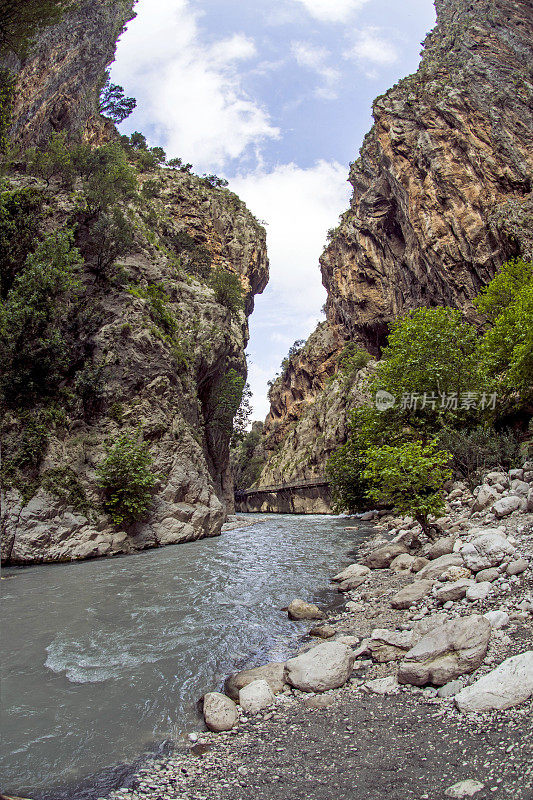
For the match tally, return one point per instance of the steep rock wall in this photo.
(58, 83)
(441, 198)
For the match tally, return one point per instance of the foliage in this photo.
(505, 288)
(89, 384)
(228, 290)
(111, 236)
(146, 158)
(62, 482)
(506, 350)
(7, 84)
(23, 448)
(195, 258)
(247, 460)
(167, 327)
(242, 416)
(113, 102)
(126, 479)
(296, 348)
(56, 160)
(20, 217)
(215, 181)
(474, 451)
(409, 477)
(177, 163)
(226, 400)
(34, 350)
(21, 21)
(109, 178)
(345, 469)
(352, 359)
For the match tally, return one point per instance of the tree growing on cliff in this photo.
(113, 102)
(126, 479)
(228, 290)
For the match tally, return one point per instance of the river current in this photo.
(102, 661)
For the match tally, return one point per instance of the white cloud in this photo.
(332, 10)
(371, 46)
(299, 204)
(189, 94)
(315, 58)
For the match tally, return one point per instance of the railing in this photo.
(309, 484)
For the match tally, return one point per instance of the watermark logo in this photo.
(384, 400)
(453, 401)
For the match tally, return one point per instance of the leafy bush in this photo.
(352, 359)
(505, 288)
(34, 350)
(109, 178)
(126, 480)
(56, 160)
(228, 290)
(113, 102)
(409, 477)
(111, 236)
(7, 85)
(20, 217)
(475, 451)
(345, 468)
(225, 401)
(194, 257)
(62, 482)
(90, 384)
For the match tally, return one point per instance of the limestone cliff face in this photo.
(164, 388)
(441, 198)
(58, 83)
(442, 187)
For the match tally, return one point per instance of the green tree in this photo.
(228, 290)
(410, 477)
(55, 160)
(126, 479)
(20, 217)
(111, 236)
(114, 103)
(505, 288)
(34, 347)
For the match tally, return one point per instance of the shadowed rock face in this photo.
(442, 187)
(442, 197)
(59, 81)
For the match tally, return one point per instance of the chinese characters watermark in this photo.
(452, 401)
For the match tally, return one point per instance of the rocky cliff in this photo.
(152, 341)
(58, 83)
(441, 198)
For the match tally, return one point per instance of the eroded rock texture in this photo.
(58, 83)
(442, 197)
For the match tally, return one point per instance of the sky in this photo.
(275, 96)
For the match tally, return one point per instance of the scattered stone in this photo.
(486, 497)
(383, 556)
(220, 712)
(490, 575)
(455, 648)
(402, 563)
(497, 477)
(388, 685)
(457, 574)
(256, 696)
(450, 689)
(478, 591)
(439, 565)
(497, 618)
(464, 789)
(299, 609)
(411, 594)
(453, 591)
(320, 701)
(327, 666)
(353, 571)
(323, 631)
(506, 506)
(385, 645)
(441, 547)
(504, 687)
(419, 563)
(273, 673)
(487, 550)
(517, 567)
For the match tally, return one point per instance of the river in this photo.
(103, 661)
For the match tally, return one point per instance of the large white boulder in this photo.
(256, 696)
(439, 565)
(327, 666)
(453, 591)
(352, 571)
(446, 652)
(220, 712)
(411, 594)
(487, 550)
(486, 497)
(273, 673)
(508, 685)
(506, 506)
(382, 557)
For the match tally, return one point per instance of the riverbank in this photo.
(374, 737)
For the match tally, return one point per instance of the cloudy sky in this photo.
(274, 95)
